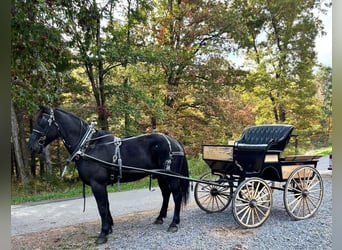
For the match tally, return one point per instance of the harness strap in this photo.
(84, 197)
(82, 146)
(168, 162)
(117, 158)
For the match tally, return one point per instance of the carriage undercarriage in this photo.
(251, 197)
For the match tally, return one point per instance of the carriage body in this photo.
(271, 165)
(255, 165)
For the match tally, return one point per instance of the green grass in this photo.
(321, 151)
(38, 190)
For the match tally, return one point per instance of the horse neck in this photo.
(71, 129)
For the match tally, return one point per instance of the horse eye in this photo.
(43, 122)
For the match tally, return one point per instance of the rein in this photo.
(163, 172)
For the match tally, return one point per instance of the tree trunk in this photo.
(17, 147)
(127, 115)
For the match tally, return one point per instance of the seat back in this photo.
(276, 136)
(255, 141)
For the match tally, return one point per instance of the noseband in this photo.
(43, 134)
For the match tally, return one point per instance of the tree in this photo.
(279, 37)
(190, 37)
(101, 43)
(39, 57)
(324, 84)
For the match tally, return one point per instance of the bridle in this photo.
(51, 120)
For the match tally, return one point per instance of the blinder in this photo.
(50, 120)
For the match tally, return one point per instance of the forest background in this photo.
(200, 71)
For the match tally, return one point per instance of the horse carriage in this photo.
(241, 172)
(247, 171)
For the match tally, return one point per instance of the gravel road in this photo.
(197, 230)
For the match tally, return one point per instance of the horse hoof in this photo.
(110, 231)
(158, 221)
(172, 229)
(101, 240)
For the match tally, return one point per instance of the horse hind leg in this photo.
(110, 220)
(166, 197)
(177, 198)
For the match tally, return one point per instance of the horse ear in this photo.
(43, 108)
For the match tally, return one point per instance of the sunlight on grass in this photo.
(321, 151)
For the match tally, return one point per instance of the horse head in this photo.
(44, 131)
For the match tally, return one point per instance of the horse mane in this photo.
(71, 114)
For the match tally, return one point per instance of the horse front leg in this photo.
(101, 197)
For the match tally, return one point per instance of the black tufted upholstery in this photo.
(265, 137)
(255, 141)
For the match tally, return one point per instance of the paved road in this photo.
(36, 217)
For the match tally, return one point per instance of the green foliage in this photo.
(39, 56)
(165, 66)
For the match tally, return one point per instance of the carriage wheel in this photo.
(252, 202)
(212, 198)
(303, 192)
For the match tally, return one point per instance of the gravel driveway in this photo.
(197, 230)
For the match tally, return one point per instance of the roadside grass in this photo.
(38, 190)
(322, 151)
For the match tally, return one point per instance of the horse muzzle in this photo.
(35, 146)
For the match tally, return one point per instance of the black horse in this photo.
(101, 158)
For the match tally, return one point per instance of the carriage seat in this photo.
(250, 149)
(265, 137)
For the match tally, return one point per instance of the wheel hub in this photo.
(305, 193)
(253, 203)
(214, 192)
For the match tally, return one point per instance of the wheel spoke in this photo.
(246, 212)
(207, 199)
(248, 193)
(295, 200)
(262, 212)
(257, 214)
(314, 204)
(221, 199)
(242, 209)
(294, 189)
(312, 184)
(297, 184)
(259, 205)
(307, 205)
(218, 202)
(256, 193)
(262, 197)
